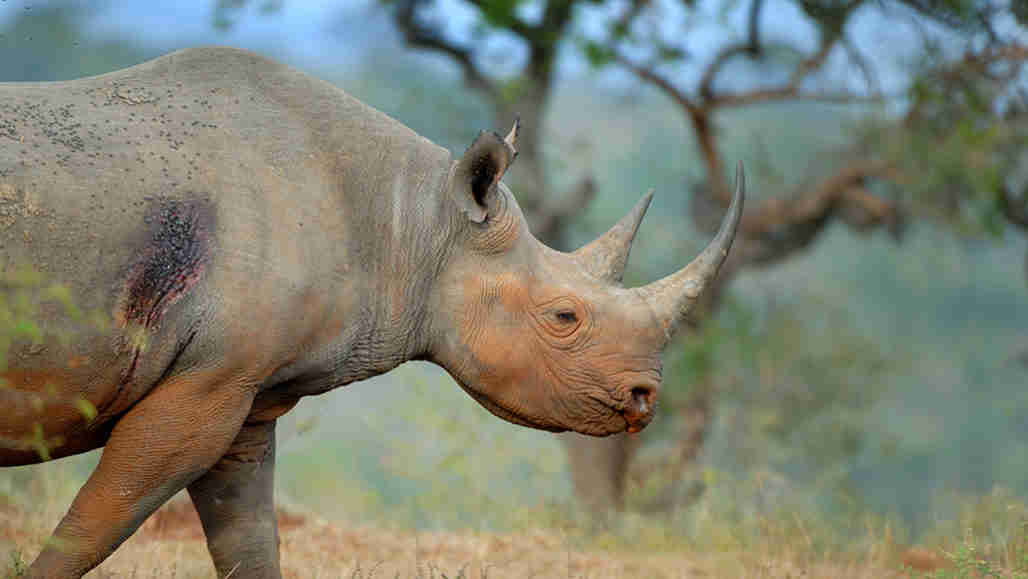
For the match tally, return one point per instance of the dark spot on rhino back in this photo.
(173, 259)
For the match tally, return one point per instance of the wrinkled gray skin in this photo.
(252, 235)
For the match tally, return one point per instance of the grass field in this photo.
(718, 536)
(170, 544)
(722, 535)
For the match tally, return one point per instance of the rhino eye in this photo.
(567, 316)
(561, 317)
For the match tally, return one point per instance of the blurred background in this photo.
(864, 356)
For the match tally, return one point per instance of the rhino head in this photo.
(547, 339)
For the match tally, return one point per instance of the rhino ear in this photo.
(480, 170)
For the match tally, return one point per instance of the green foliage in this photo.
(981, 536)
(1020, 12)
(499, 13)
(967, 564)
(23, 292)
(16, 566)
(955, 148)
(962, 13)
(597, 54)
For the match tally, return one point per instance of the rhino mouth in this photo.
(505, 413)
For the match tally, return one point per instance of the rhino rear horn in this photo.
(481, 168)
(512, 136)
(606, 256)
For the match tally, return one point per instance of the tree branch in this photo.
(753, 27)
(791, 94)
(699, 113)
(417, 34)
(751, 47)
(814, 202)
(1014, 209)
(1013, 51)
(652, 77)
(778, 227)
(556, 14)
(788, 91)
(633, 10)
(720, 60)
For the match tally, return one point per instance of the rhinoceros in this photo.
(253, 235)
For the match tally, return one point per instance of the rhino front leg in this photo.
(169, 439)
(235, 501)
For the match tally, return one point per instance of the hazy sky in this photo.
(329, 35)
(321, 32)
(301, 30)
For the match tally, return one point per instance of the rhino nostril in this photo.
(642, 398)
(639, 410)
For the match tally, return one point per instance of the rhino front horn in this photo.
(606, 256)
(512, 137)
(672, 297)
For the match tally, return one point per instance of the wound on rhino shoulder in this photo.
(173, 259)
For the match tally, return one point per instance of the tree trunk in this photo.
(598, 468)
(527, 176)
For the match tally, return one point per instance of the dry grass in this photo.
(170, 544)
(987, 538)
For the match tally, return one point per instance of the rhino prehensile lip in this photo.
(509, 415)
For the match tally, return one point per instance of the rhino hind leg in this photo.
(235, 501)
(165, 442)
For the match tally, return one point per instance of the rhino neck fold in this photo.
(387, 230)
(412, 226)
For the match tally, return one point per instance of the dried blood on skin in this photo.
(174, 258)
